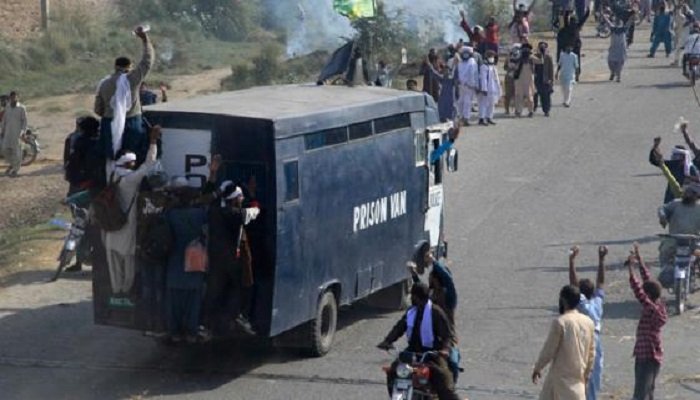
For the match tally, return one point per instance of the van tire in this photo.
(322, 328)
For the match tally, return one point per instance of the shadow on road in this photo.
(620, 242)
(628, 309)
(62, 341)
(654, 66)
(52, 169)
(664, 86)
(579, 268)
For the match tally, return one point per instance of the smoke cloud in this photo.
(313, 24)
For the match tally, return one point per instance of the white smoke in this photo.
(313, 24)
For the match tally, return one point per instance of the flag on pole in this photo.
(355, 8)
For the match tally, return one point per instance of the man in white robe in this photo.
(120, 245)
(468, 76)
(12, 127)
(490, 89)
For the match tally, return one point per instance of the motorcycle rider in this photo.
(427, 329)
(691, 46)
(682, 217)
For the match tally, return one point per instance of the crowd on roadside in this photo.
(465, 77)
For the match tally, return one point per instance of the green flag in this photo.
(355, 8)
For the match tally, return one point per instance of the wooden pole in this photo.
(45, 15)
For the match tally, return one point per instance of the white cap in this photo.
(125, 159)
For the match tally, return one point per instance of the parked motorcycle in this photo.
(73, 244)
(30, 147)
(686, 266)
(412, 376)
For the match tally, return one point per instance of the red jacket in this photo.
(474, 37)
(492, 34)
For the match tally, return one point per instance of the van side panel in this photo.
(360, 217)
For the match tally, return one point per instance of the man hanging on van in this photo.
(120, 244)
(118, 104)
(229, 255)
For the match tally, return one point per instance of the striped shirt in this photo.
(648, 343)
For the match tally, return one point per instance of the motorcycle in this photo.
(412, 376)
(693, 69)
(603, 28)
(30, 147)
(73, 244)
(686, 265)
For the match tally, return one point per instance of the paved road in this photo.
(528, 189)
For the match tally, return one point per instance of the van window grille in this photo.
(361, 130)
(325, 138)
(392, 123)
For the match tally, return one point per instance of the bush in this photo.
(224, 19)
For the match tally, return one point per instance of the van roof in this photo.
(289, 106)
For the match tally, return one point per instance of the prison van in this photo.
(346, 186)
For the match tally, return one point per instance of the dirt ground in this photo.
(34, 197)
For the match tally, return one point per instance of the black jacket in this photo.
(441, 331)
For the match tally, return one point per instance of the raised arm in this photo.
(688, 140)
(138, 74)
(465, 25)
(151, 156)
(655, 154)
(634, 282)
(600, 278)
(643, 270)
(573, 278)
(585, 17)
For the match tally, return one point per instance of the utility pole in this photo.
(45, 15)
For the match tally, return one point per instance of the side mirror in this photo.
(452, 160)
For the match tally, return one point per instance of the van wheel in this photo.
(324, 325)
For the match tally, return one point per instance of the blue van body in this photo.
(341, 178)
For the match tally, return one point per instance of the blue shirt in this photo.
(593, 308)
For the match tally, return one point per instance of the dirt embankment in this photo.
(22, 18)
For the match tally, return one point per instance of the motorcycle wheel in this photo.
(692, 77)
(64, 259)
(604, 33)
(29, 154)
(679, 291)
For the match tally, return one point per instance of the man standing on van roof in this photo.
(117, 103)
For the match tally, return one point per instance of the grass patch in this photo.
(20, 247)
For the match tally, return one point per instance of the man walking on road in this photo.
(591, 305)
(544, 78)
(648, 351)
(13, 126)
(661, 32)
(566, 72)
(570, 348)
